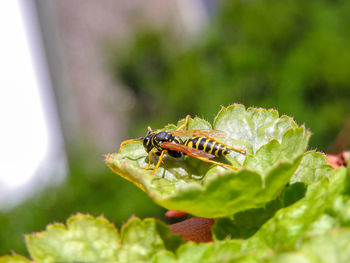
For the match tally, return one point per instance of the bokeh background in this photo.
(115, 67)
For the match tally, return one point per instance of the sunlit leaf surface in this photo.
(274, 147)
(88, 239)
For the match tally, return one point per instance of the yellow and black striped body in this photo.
(208, 145)
(155, 140)
(200, 144)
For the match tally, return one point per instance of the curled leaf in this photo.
(273, 147)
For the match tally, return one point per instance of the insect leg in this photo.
(185, 124)
(236, 150)
(149, 159)
(233, 148)
(217, 163)
(159, 161)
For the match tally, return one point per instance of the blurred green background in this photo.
(290, 55)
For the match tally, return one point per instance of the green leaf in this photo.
(334, 246)
(274, 145)
(14, 259)
(219, 251)
(293, 193)
(244, 224)
(321, 219)
(313, 167)
(307, 231)
(268, 138)
(324, 207)
(85, 239)
(88, 239)
(141, 239)
(308, 215)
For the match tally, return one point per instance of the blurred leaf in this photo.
(84, 239)
(219, 251)
(141, 239)
(319, 220)
(14, 259)
(88, 239)
(293, 234)
(313, 167)
(291, 223)
(244, 224)
(334, 246)
(293, 193)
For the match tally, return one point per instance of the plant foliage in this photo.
(274, 146)
(313, 229)
(283, 204)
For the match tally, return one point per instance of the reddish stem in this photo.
(337, 160)
(174, 213)
(195, 229)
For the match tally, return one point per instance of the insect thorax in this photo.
(160, 137)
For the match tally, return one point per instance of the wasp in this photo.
(201, 144)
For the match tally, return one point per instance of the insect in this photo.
(201, 144)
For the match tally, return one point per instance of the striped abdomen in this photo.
(208, 145)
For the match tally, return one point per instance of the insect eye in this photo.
(147, 143)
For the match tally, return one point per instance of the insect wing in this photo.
(200, 132)
(187, 150)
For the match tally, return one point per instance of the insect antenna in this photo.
(122, 145)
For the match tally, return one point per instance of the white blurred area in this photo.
(31, 146)
(32, 153)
